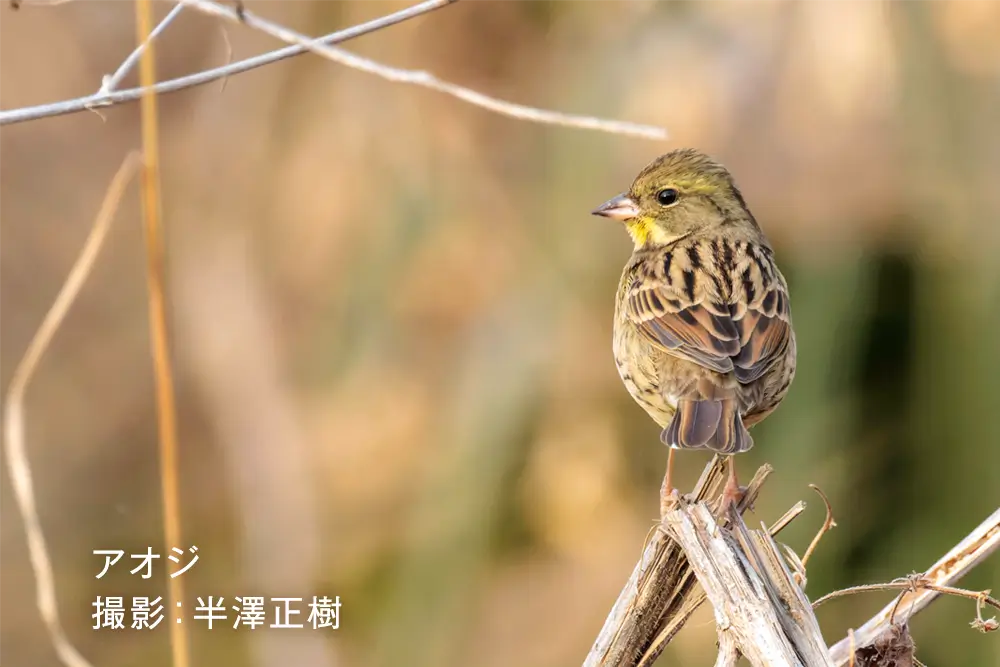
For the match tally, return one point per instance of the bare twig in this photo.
(111, 82)
(301, 44)
(17, 460)
(426, 79)
(968, 553)
(91, 102)
(166, 411)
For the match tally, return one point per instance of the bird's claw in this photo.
(733, 497)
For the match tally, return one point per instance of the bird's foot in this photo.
(669, 495)
(732, 497)
(733, 494)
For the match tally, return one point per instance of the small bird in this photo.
(703, 337)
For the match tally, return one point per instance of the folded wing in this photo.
(690, 314)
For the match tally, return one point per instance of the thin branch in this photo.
(18, 466)
(426, 79)
(166, 411)
(301, 44)
(96, 101)
(968, 553)
(112, 82)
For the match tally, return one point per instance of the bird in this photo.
(703, 337)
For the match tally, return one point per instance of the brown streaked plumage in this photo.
(703, 334)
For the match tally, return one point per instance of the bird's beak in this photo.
(621, 207)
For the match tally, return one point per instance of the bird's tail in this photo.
(708, 423)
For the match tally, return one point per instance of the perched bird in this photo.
(703, 334)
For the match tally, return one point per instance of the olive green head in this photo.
(676, 195)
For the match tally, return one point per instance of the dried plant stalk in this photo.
(757, 603)
(166, 410)
(660, 595)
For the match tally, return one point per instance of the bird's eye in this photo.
(667, 196)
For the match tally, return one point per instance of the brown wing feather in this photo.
(690, 314)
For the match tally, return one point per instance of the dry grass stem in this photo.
(828, 523)
(166, 410)
(17, 461)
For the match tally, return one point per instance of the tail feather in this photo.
(713, 424)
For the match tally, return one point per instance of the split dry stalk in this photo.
(759, 607)
(661, 594)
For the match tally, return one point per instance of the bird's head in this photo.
(676, 195)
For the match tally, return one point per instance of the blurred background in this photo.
(392, 317)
